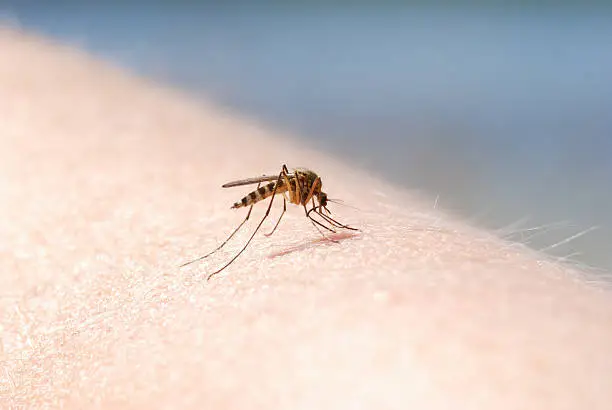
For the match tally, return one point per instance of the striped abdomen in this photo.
(262, 193)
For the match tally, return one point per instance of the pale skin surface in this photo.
(108, 183)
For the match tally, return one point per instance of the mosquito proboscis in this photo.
(301, 187)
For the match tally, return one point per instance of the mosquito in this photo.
(300, 187)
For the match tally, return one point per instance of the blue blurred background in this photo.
(503, 113)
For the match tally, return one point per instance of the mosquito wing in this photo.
(249, 181)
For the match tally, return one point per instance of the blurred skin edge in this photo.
(468, 271)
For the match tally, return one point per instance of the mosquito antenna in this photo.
(342, 203)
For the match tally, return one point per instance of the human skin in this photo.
(108, 183)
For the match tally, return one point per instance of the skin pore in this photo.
(108, 183)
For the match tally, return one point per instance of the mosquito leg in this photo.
(256, 229)
(312, 191)
(298, 190)
(317, 210)
(330, 220)
(314, 208)
(225, 241)
(315, 223)
(333, 222)
(279, 219)
(288, 182)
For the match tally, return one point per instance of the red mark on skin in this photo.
(316, 242)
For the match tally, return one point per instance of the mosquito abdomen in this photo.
(260, 194)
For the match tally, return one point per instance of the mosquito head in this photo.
(323, 201)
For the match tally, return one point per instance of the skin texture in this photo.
(108, 183)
